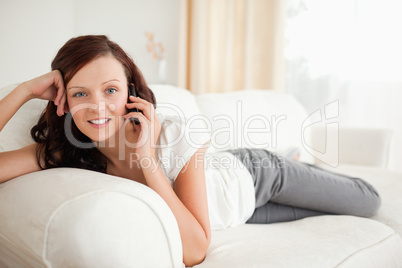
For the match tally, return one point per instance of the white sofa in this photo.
(76, 218)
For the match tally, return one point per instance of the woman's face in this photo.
(97, 95)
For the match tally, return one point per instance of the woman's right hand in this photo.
(50, 87)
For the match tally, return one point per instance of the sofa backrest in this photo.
(247, 118)
(16, 133)
(259, 118)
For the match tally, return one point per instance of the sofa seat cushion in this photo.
(324, 241)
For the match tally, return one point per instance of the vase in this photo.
(162, 71)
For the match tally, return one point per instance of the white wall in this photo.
(31, 32)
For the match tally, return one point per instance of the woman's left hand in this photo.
(148, 129)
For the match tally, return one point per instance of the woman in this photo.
(89, 123)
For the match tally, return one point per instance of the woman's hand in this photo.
(148, 129)
(50, 87)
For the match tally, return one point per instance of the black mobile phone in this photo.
(131, 91)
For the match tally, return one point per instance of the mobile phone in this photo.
(131, 91)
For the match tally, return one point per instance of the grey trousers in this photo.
(287, 190)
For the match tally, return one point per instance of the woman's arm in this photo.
(190, 188)
(188, 202)
(49, 86)
(18, 162)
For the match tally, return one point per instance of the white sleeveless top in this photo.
(230, 187)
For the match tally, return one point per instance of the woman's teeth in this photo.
(99, 122)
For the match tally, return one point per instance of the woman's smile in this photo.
(99, 122)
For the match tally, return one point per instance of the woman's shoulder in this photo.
(177, 143)
(171, 120)
(177, 130)
(168, 120)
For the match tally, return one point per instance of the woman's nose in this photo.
(102, 106)
(98, 104)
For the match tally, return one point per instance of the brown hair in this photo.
(50, 132)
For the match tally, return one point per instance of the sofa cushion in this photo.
(324, 241)
(174, 101)
(16, 133)
(256, 118)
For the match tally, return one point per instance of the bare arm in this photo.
(188, 202)
(18, 162)
(188, 199)
(49, 86)
(190, 188)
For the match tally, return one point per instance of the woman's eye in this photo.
(79, 94)
(111, 90)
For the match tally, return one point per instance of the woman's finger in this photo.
(62, 108)
(59, 84)
(146, 107)
(59, 95)
(143, 125)
(141, 101)
(141, 107)
(133, 115)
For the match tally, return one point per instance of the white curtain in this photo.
(351, 51)
(232, 44)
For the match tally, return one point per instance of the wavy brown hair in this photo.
(55, 149)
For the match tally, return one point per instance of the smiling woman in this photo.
(87, 126)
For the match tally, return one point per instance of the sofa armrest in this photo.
(355, 146)
(68, 217)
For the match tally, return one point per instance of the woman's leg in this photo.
(295, 184)
(273, 212)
